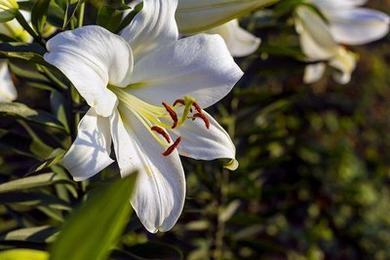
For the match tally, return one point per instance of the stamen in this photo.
(172, 114)
(204, 118)
(197, 107)
(162, 132)
(179, 101)
(172, 147)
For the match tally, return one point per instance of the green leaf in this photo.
(97, 224)
(18, 254)
(41, 180)
(6, 15)
(60, 107)
(109, 18)
(22, 111)
(53, 159)
(33, 234)
(38, 14)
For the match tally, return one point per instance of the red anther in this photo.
(172, 114)
(172, 147)
(197, 107)
(162, 132)
(204, 118)
(179, 101)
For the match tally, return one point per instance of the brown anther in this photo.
(172, 147)
(172, 114)
(197, 107)
(179, 101)
(161, 132)
(204, 118)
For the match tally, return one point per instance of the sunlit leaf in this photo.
(22, 111)
(95, 227)
(19, 254)
(33, 234)
(40, 180)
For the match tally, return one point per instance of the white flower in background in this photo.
(345, 24)
(13, 29)
(147, 91)
(7, 88)
(240, 43)
(219, 17)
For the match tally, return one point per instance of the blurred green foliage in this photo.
(313, 181)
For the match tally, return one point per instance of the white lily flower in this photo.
(7, 89)
(12, 28)
(240, 42)
(318, 45)
(353, 25)
(147, 90)
(346, 24)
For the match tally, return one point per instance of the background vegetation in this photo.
(314, 173)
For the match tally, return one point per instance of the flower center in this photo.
(159, 120)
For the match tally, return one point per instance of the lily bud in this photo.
(200, 15)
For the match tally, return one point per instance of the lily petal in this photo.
(338, 4)
(7, 88)
(92, 57)
(358, 26)
(316, 40)
(90, 152)
(314, 72)
(199, 66)
(239, 42)
(202, 143)
(160, 191)
(152, 27)
(201, 15)
(345, 63)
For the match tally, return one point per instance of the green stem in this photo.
(81, 14)
(19, 17)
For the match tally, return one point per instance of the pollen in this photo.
(161, 132)
(171, 148)
(172, 114)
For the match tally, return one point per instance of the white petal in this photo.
(90, 152)
(345, 63)
(316, 41)
(314, 72)
(338, 4)
(201, 15)
(92, 57)
(152, 27)
(199, 66)
(239, 42)
(7, 88)
(160, 191)
(358, 26)
(201, 143)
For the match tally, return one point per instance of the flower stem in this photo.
(81, 14)
(22, 21)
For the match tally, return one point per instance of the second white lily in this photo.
(147, 91)
(346, 23)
